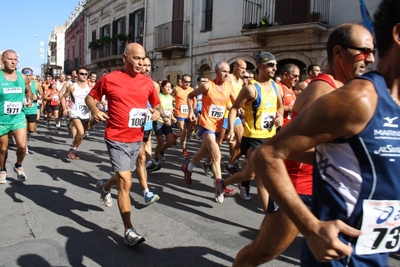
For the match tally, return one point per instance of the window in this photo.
(136, 26)
(291, 12)
(207, 15)
(118, 28)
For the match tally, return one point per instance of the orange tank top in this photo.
(288, 99)
(181, 104)
(214, 106)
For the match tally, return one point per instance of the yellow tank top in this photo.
(259, 120)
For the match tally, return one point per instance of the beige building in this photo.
(191, 36)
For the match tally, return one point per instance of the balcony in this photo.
(172, 37)
(264, 18)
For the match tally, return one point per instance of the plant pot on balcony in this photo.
(314, 16)
(105, 40)
(121, 37)
(93, 45)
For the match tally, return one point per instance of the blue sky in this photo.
(22, 19)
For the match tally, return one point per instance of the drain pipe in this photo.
(191, 39)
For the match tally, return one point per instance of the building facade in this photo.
(188, 36)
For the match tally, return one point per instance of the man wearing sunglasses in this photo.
(290, 77)
(262, 104)
(343, 65)
(78, 112)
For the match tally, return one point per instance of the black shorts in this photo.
(31, 118)
(146, 136)
(273, 206)
(160, 128)
(50, 108)
(248, 142)
(84, 121)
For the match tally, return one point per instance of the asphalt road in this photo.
(57, 219)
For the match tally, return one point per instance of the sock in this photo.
(222, 183)
(16, 165)
(230, 166)
(145, 191)
(190, 167)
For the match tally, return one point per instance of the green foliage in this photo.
(93, 45)
(121, 37)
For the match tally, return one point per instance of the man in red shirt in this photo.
(127, 92)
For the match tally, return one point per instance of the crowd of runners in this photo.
(242, 109)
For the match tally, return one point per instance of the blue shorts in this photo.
(204, 130)
(182, 119)
(225, 125)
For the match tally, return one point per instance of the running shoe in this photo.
(185, 154)
(219, 191)
(207, 169)
(21, 176)
(187, 174)
(11, 141)
(3, 177)
(105, 196)
(48, 125)
(153, 167)
(72, 154)
(150, 198)
(230, 170)
(229, 192)
(27, 150)
(132, 238)
(244, 191)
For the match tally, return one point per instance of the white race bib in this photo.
(12, 107)
(380, 227)
(184, 109)
(217, 112)
(267, 121)
(137, 117)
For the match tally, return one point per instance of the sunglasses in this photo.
(271, 64)
(364, 51)
(82, 73)
(187, 81)
(246, 77)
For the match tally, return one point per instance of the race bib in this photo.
(83, 109)
(12, 107)
(217, 112)
(137, 117)
(267, 121)
(184, 109)
(380, 227)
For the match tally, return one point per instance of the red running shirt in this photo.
(301, 173)
(127, 104)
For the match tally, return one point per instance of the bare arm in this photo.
(191, 99)
(98, 115)
(302, 134)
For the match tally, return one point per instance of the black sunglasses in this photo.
(82, 73)
(363, 50)
(271, 64)
(246, 77)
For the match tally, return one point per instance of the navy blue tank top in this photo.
(349, 171)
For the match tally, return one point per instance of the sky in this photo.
(22, 19)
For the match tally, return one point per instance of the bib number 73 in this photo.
(380, 227)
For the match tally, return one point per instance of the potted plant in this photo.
(93, 45)
(106, 39)
(121, 37)
(264, 22)
(314, 16)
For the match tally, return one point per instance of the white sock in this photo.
(145, 191)
(190, 167)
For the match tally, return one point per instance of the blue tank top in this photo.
(349, 172)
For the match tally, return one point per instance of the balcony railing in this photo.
(282, 13)
(173, 34)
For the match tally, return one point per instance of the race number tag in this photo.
(184, 109)
(83, 109)
(217, 112)
(137, 117)
(12, 107)
(267, 121)
(380, 227)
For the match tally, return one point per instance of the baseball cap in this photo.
(265, 57)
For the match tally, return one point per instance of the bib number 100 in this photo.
(137, 118)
